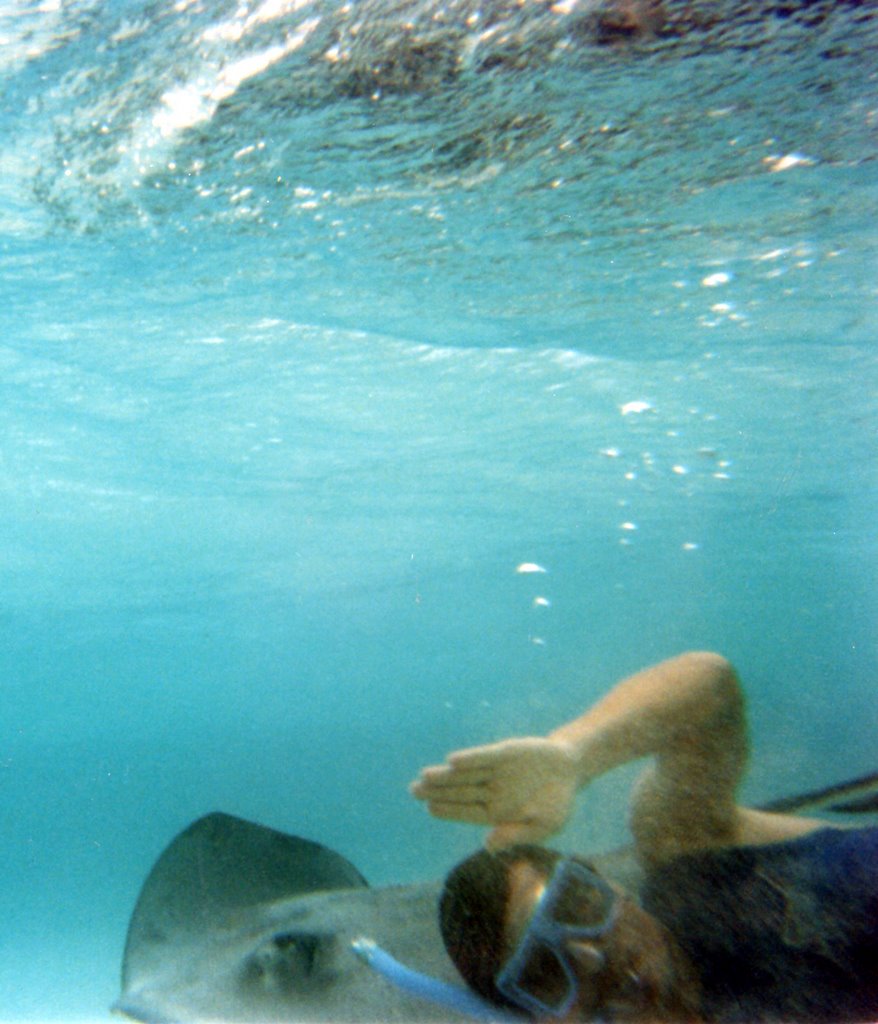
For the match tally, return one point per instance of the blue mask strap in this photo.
(431, 989)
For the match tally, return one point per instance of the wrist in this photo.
(582, 754)
(570, 755)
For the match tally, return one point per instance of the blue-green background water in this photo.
(317, 321)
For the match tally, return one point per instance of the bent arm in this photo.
(687, 712)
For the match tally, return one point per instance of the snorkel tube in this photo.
(431, 989)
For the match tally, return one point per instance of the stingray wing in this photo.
(218, 866)
(238, 922)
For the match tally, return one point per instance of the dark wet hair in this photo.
(472, 913)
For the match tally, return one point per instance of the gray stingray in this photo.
(238, 922)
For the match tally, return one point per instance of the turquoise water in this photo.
(319, 320)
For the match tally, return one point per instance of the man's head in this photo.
(531, 929)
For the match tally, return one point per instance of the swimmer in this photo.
(743, 915)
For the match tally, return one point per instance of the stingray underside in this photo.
(238, 922)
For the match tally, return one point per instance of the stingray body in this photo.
(238, 922)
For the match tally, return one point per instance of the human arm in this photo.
(688, 712)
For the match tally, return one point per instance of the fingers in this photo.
(470, 814)
(521, 786)
(474, 766)
(480, 758)
(452, 775)
(472, 803)
(462, 795)
(457, 795)
(449, 781)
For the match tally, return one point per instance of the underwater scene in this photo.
(381, 378)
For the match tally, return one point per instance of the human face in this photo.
(582, 950)
(564, 915)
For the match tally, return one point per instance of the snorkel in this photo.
(432, 989)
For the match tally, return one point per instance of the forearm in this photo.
(664, 709)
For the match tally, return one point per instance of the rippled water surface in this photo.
(318, 320)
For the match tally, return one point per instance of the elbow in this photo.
(715, 678)
(718, 680)
(710, 663)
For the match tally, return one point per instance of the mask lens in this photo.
(543, 977)
(580, 901)
(576, 904)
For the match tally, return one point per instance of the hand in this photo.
(525, 788)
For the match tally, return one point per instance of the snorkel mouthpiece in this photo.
(422, 986)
